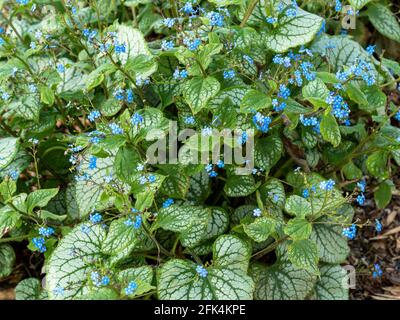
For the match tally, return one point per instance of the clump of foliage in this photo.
(83, 83)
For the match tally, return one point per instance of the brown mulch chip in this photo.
(371, 247)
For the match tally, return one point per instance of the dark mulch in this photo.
(371, 247)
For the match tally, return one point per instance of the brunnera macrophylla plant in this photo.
(84, 83)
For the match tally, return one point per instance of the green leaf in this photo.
(339, 50)
(144, 200)
(143, 277)
(7, 188)
(298, 228)
(298, 206)
(110, 107)
(383, 195)
(123, 238)
(8, 150)
(255, 100)
(82, 196)
(198, 91)
(316, 92)
(30, 289)
(327, 77)
(177, 218)
(377, 164)
(273, 192)
(126, 161)
(134, 40)
(375, 97)
(141, 66)
(40, 198)
(7, 260)
(28, 108)
(355, 94)
(332, 245)
(240, 186)
(100, 294)
(8, 219)
(332, 284)
(330, 129)
(351, 171)
(226, 279)
(281, 281)
(261, 228)
(267, 152)
(73, 259)
(384, 21)
(176, 185)
(292, 31)
(358, 4)
(304, 254)
(46, 95)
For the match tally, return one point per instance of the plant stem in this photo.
(13, 238)
(248, 13)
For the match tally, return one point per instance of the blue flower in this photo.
(152, 178)
(216, 19)
(213, 174)
(229, 74)
(350, 232)
(284, 92)
(14, 175)
(93, 115)
(39, 243)
(167, 45)
(95, 217)
(327, 185)
(192, 44)
(257, 212)
(58, 291)
(136, 119)
(220, 164)
(105, 281)
(360, 199)
(378, 225)
(248, 59)
(377, 273)
(188, 8)
(308, 122)
(306, 193)
(189, 120)
(271, 20)
(370, 49)
(60, 68)
(243, 138)
(261, 122)
(397, 116)
(115, 129)
(362, 185)
(167, 203)
(92, 163)
(169, 22)
(338, 5)
(142, 180)
(129, 93)
(85, 229)
(201, 271)
(46, 232)
(138, 222)
(119, 47)
(131, 288)
(206, 131)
